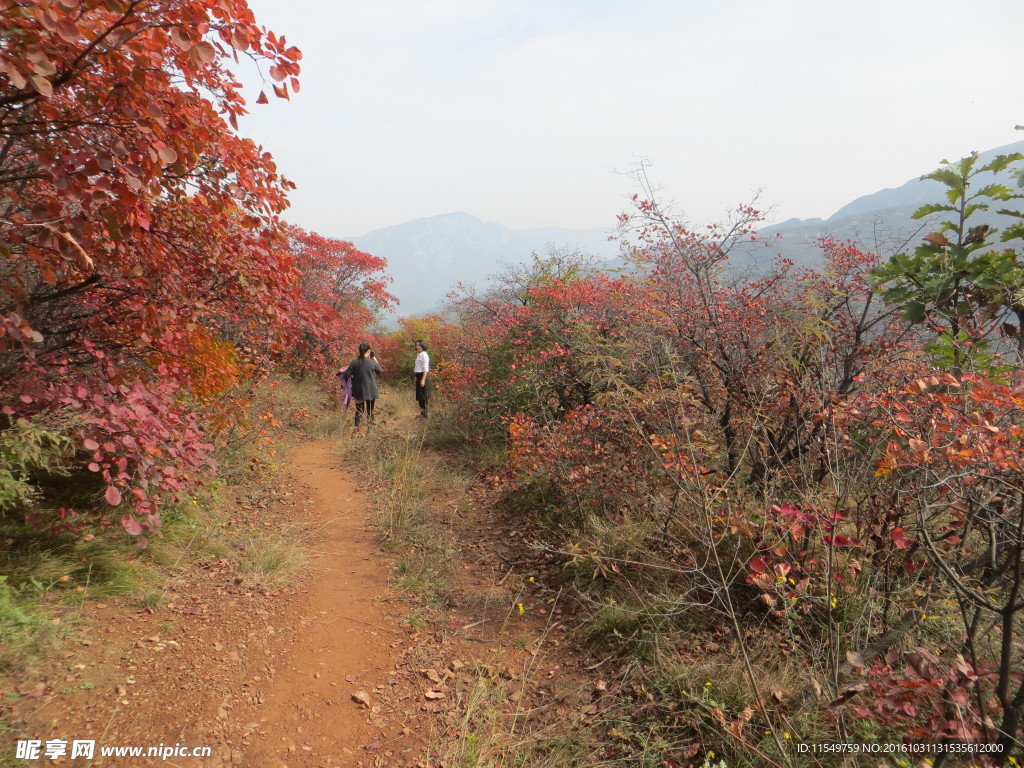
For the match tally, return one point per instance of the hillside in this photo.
(882, 220)
(428, 257)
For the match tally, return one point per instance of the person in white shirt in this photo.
(422, 376)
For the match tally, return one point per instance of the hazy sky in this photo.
(530, 112)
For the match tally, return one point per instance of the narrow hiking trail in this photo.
(266, 680)
(323, 700)
(330, 670)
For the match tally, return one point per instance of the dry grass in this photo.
(494, 730)
(272, 561)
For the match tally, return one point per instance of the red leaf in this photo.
(206, 52)
(167, 155)
(113, 496)
(759, 565)
(42, 85)
(130, 524)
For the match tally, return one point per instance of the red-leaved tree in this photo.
(340, 292)
(143, 268)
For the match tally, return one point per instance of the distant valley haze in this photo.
(428, 257)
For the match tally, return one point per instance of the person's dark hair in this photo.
(364, 348)
(422, 343)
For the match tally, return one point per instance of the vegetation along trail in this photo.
(286, 677)
(711, 505)
(330, 607)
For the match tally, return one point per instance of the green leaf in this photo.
(1012, 232)
(938, 284)
(987, 282)
(996, 192)
(928, 210)
(973, 208)
(928, 250)
(950, 178)
(914, 311)
(1002, 162)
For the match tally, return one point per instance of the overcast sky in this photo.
(531, 112)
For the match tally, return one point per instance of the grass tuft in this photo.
(269, 562)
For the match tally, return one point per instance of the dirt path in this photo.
(344, 645)
(265, 679)
(327, 672)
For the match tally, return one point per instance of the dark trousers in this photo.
(364, 406)
(422, 383)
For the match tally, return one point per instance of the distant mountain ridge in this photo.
(882, 220)
(428, 257)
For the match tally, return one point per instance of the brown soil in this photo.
(324, 674)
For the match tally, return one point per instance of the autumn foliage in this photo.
(780, 452)
(146, 277)
(341, 290)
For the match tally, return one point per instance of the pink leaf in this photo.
(130, 524)
(113, 496)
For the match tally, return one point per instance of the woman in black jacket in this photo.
(363, 372)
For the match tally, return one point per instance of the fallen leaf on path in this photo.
(433, 694)
(361, 697)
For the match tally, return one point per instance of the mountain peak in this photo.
(915, 192)
(427, 257)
